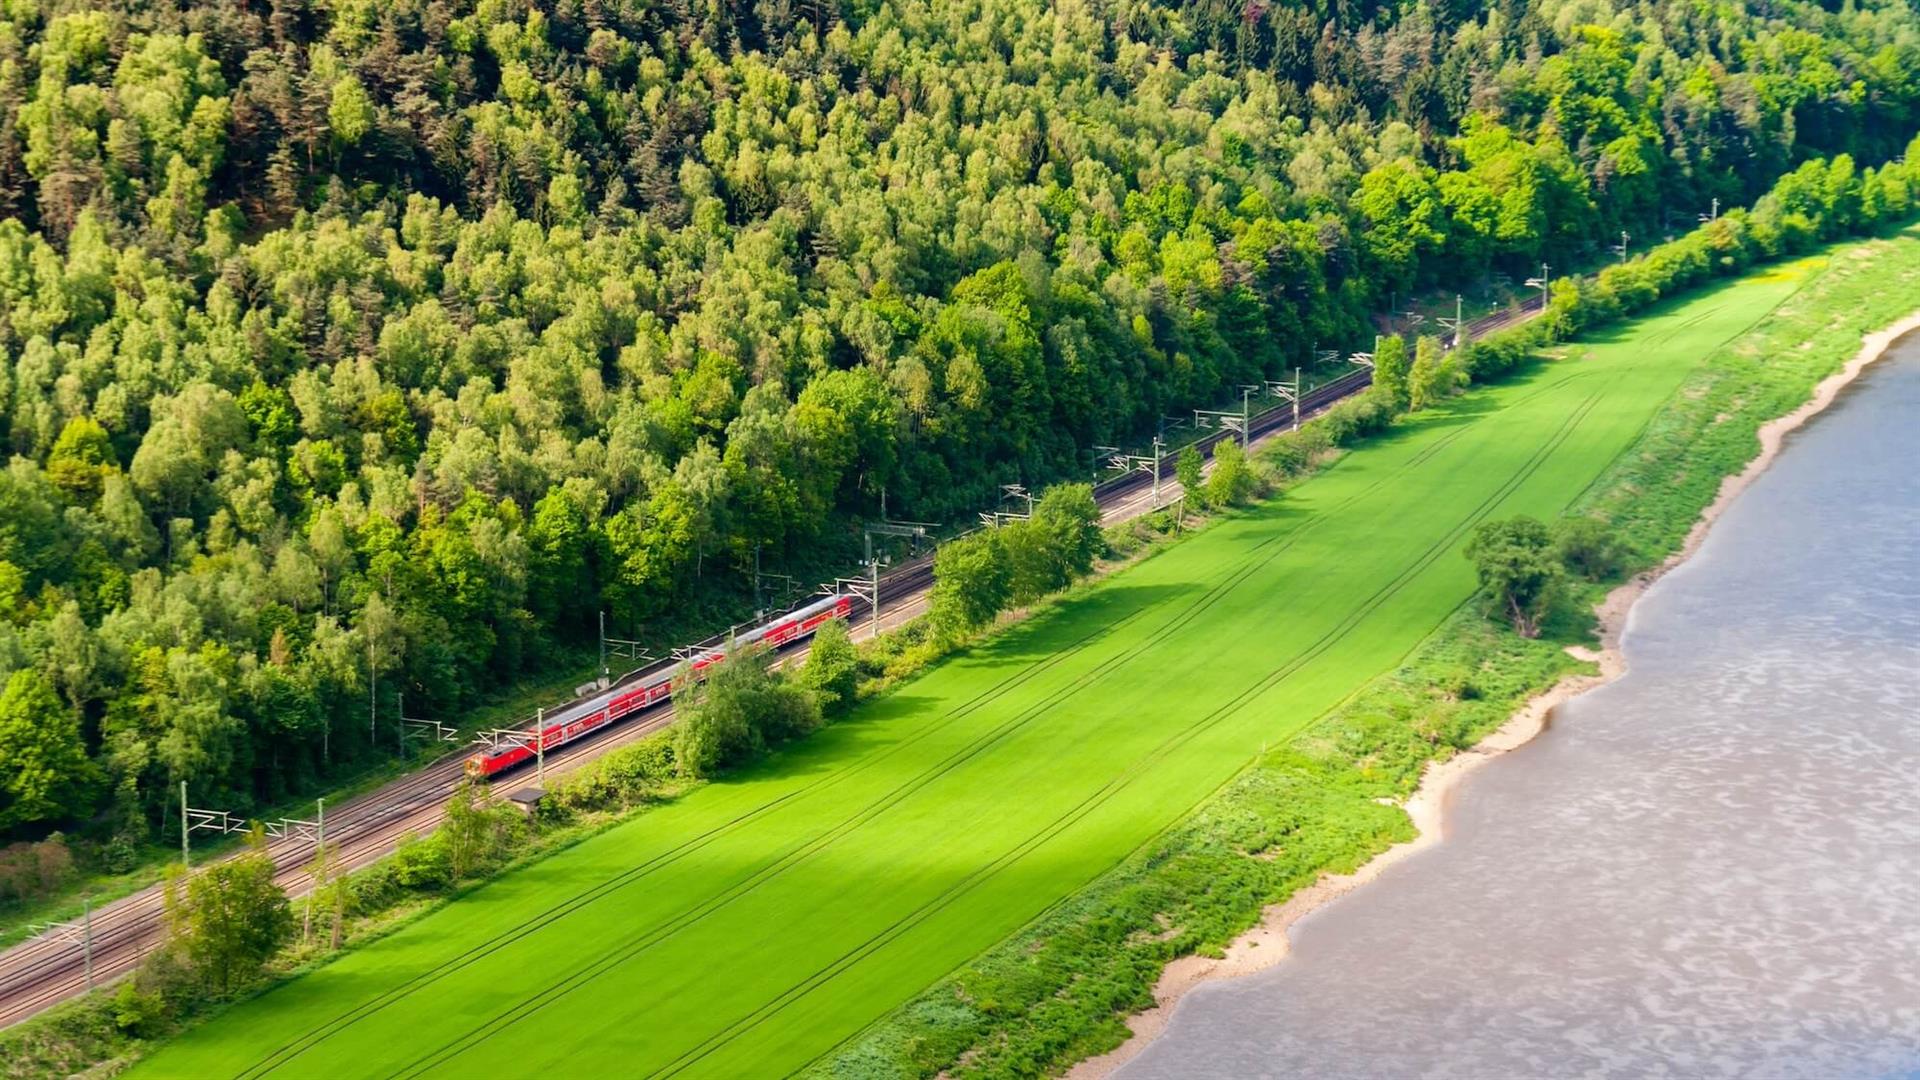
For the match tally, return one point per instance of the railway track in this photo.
(46, 970)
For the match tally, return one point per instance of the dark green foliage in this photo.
(1519, 569)
(1588, 547)
(47, 775)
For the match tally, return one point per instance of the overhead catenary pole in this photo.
(606, 674)
(186, 859)
(1159, 447)
(873, 622)
(86, 937)
(540, 745)
(1296, 399)
(373, 688)
(1246, 428)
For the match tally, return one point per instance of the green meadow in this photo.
(756, 924)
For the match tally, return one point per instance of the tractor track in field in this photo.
(985, 697)
(674, 854)
(1141, 765)
(1250, 564)
(43, 971)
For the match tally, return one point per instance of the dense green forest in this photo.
(401, 337)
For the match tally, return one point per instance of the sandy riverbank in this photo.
(1267, 944)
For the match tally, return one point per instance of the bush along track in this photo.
(1323, 802)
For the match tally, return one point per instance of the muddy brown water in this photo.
(1708, 868)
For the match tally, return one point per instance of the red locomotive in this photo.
(568, 724)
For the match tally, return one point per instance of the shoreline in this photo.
(1268, 942)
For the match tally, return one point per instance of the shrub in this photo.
(832, 671)
(740, 710)
(619, 779)
(31, 871)
(1231, 481)
(972, 582)
(422, 865)
(1588, 547)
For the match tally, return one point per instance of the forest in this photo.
(395, 340)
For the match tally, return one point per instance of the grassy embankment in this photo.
(756, 923)
(1060, 990)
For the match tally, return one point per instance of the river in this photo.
(1710, 867)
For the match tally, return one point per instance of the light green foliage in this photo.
(1231, 481)
(80, 458)
(504, 317)
(743, 708)
(1187, 469)
(620, 778)
(1055, 545)
(832, 670)
(1390, 372)
(978, 576)
(1430, 379)
(468, 831)
(1405, 221)
(972, 582)
(753, 925)
(230, 918)
(422, 865)
(350, 112)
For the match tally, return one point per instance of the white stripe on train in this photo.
(788, 628)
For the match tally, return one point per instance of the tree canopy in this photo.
(347, 341)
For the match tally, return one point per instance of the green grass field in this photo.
(754, 925)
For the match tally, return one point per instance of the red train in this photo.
(594, 713)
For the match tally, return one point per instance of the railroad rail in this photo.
(51, 968)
